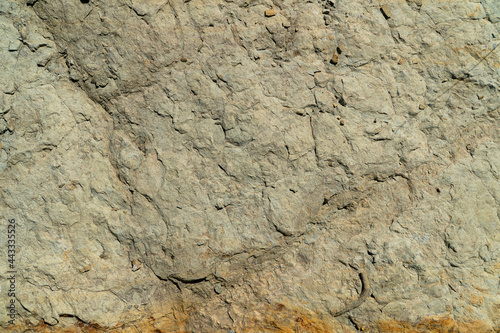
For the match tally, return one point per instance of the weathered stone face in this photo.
(319, 166)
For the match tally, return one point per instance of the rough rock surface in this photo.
(251, 165)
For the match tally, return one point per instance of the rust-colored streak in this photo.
(287, 319)
(434, 325)
(278, 318)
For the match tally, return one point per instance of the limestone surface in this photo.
(250, 165)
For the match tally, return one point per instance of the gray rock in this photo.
(234, 166)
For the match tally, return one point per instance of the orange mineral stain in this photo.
(282, 317)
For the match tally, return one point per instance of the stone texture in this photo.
(218, 166)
